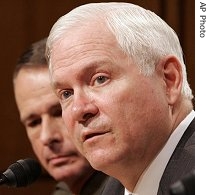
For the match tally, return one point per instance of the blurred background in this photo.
(24, 22)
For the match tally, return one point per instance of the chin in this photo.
(64, 174)
(98, 162)
(104, 161)
(61, 176)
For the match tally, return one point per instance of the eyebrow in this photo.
(86, 68)
(31, 116)
(28, 118)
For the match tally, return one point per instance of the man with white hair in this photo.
(119, 73)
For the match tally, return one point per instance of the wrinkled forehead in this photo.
(78, 33)
(74, 40)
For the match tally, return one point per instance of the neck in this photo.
(128, 177)
(180, 111)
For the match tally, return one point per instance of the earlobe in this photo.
(172, 76)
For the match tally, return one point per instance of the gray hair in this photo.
(140, 33)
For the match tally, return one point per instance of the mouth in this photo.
(90, 136)
(59, 160)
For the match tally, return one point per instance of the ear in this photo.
(171, 72)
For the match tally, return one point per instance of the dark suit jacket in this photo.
(181, 162)
(94, 186)
(113, 187)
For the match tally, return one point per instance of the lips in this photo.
(89, 135)
(92, 135)
(58, 160)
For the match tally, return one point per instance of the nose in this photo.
(50, 132)
(83, 108)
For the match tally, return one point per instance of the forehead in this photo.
(78, 42)
(37, 77)
(33, 90)
(96, 31)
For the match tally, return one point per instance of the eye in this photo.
(100, 80)
(66, 94)
(34, 122)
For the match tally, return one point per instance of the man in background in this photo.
(40, 113)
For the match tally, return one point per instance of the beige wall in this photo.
(25, 21)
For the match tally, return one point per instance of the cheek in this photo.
(34, 138)
(66, 119)
(71, 129)
(132, 109)
(38, 149)
(36, 144)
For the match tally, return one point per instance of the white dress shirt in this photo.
(149, 181)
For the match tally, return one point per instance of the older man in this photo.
(119, 73)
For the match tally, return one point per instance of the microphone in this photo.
(21, 173)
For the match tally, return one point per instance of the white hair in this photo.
(140, 33)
